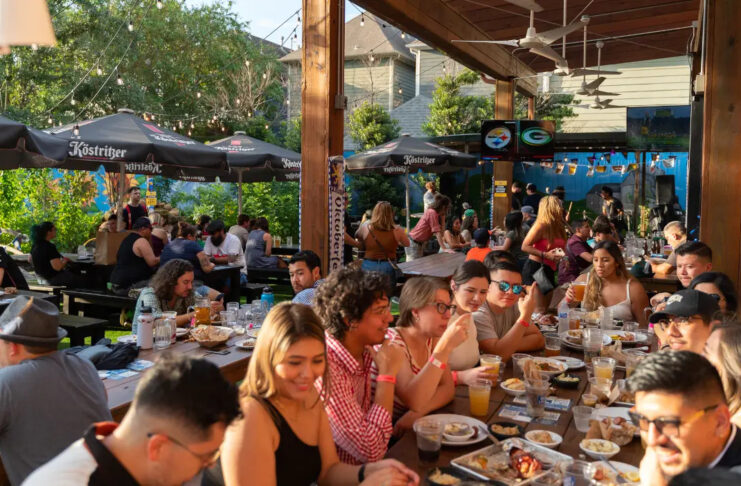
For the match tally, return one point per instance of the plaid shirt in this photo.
(360, 427)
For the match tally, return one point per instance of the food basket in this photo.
(498, 454)
(211, 336)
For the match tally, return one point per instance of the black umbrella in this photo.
(124, 142)
(26, 147)
(253, 160)
(405, 154)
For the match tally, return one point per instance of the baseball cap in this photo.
(142, 222)
(528, 210)
(481, 236)
(687, 303)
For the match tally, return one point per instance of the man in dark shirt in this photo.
(186, 248)
(578, 253)
(133, 210)
(532, 198)
(612, 208)
(10, 273)
(516, 196)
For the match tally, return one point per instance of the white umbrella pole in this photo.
(239, 193)
(406, 180)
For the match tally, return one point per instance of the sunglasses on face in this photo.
(517, 289)
(666, 426)
(443, 308)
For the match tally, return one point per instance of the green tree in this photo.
(451, 112)
(556, 107)
(292, 139)
(370, 125)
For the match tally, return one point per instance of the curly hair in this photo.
(345, 295)
(166, 278)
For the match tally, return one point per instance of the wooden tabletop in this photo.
(233, 366)
(438, 265)
(405, 450)
(661, 283)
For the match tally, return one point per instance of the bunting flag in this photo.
(546, 165)
(591, 159)
(527, 165)
(669, 162)
(617, 168)
(633, 166)
(590, 171)
(572, 168)
(559, 167)
(624, 169)
(601, 169)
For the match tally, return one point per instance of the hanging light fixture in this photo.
(266, 126)
(190, 133)
(238, 101)
(198, 94)
(72, 101)
(25, 23)
(152, 117)
(264, 75)
(159, 4)
(50, 121)
(131, 26)
(76, 130)
(119, 81)
(247, 63)
(403, 35)
(192, 126)
(99, 71)
(362, 19)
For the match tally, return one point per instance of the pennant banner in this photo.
(559, 167)
(601, 169)
(572, 169)
(590, 171)
(617, 168)
(546, 165)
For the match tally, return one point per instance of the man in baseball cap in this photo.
(46, 396)
(687, 319)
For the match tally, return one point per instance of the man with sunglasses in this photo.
(683, 417)
(686, 321)
(503, 321)
(172, 431)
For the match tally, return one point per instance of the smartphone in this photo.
(222, 352)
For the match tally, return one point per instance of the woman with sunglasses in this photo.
(720, 287)
(723, 350)
(609, 285)
(284, 435)
(424, 382)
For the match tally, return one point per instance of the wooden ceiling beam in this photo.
(436, 23)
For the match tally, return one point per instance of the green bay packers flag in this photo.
(517, 140)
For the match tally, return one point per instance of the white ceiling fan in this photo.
(538, 42)
(592, 88)
(599, 104)
(583, 71)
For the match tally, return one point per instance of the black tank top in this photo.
(296, 463)
(129, 267)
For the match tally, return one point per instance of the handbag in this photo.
(398, 273)
(544, 282)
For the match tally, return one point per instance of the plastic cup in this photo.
(516, 368)
(494, 362)
(592, 343)
(575, 473)
(478, 396)
(631, 362)
(630, 326)
(576, 318)
(589, 399)
(552, 345)
(162, 333)
(582, 416)
(600, 386)
(429, 438)
(535, 395)
(604, 367)
(579, 288)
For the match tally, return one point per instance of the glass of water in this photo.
(162, 333)
(232, 306)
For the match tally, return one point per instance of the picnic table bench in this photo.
(74, 301)
(277, 276)
(441, 265)
(7, 299)
(78, 328)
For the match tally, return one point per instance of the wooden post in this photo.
(531, 108)
(323, 117)
(720, 213)
(504, 109)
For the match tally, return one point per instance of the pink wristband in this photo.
(455, 377)
(386, 378)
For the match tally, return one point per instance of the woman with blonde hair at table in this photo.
(723, 349)
(284, 436)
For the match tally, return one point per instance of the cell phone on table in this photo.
(222, 352)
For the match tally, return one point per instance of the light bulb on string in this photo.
(73, 102)
(298, 19)
(403, 35)
(400, 91)
(99, 71)
(238, 101)
(295, 37)
(362, 19)
(131, 26)
(119, 81)
(192, 126)
(266, 126)
(198, 94)
(264, 75)
(50, 121)
(34, 47)
(223, 129)
(159, 4)
(180, 124)
(190, 133)
(247, 63)
(76, 130)
(152, 116)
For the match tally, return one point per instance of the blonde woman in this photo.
(723, 349)
(284, 435)
(544, 244)
(380, 238)
(424, 382)
(609, 285)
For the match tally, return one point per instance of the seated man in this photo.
(356, 313)
(186, 248)
(503, 321)
(479, 252)
(686, 321)
(578, 253)
(46, 396)
(305, 270)
(221, 247)
(172, 431)
(675, 234)
(693, 258)
(602, 231)
(683, 417)
(496, 256)
(135, 260)
(242, 229)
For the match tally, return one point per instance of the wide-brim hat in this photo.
(31, 321)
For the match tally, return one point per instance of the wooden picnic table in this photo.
(405, 450)
(441, 265)
(7, 299)
(285, 250)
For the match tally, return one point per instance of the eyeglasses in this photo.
(666, 426)
(681, 323)
(206, 459)
(517, 289)
(443, 308)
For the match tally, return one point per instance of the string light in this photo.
(266, 126)
(295, 36)
(72, 101)
(50, 121)
(223, 129)
(264, 75)
(76, 130)
(131, 26)
(190, 133)
(180, 124)
(400, 90)
(238, 101)
(198, 94)
(192, 126)
(99, 70)
(119, 81)
(247, 63)
(152, 116)
(159, 4)
(298, 19)
(362, 20)
(35, 46)
(403, 35)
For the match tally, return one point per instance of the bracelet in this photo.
(361, 473)
(386, 378)
(455, 377)
(438, 363)
(524, 323)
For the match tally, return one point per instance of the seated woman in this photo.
(379, 239)
(259, 247)
(48, 262)
(11, 277)
(610, 285)
(159, 237)
(172, 289)
(135, 260)
(723, 349)
(514, 237)
(284, 436)
(719, 286)
(452, 236)
(424, 382)
(187, 248)
(469, 224)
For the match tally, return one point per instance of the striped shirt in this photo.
(361, 428)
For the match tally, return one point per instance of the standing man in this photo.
(516, 195)
(133, 210)
(305, 271)
(528, 218)
(47, 397)
(432, 224)
(612, 208)
(242, 229)
(532, 197)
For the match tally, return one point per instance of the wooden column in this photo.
(531, 108)
(504, 109)
(720, 211)
(322, 122)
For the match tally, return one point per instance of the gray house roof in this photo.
(412, 114)
(278, 49)
(376, 35)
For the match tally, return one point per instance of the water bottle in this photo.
(563, 317)
(268, 297)
(145, 329)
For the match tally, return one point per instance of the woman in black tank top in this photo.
(284, 436)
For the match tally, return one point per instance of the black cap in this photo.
(142, 222)
(481, 237)
(687, 303)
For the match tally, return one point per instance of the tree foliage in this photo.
(370, 125)
(451, 112)
(556, 107)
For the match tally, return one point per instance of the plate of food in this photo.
(460, 430)
(572, 363)
(445, 475)
(127, 339)
(606, 476)
(565, 380)
(613, 425)
(513, 387)
(505, 430)
(246, 344)
(629, 338)
(181, 332)
(599, 449)
(211, 336)
(544, 438)
(548, 366)
(573, 339)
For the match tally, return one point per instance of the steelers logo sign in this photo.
(498, 138)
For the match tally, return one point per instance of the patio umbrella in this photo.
(405, 154)
(126, 143)
(253, 160)
(25, 147)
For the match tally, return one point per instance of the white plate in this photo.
(614, 412)
(557, 439)
(606, 340)
(560, 364)
(449, 417)
(641, 337)
(127, 339)
(572, 363)
(252, 332)
(247, 344)
(600, 455)
(181, 331)
(622, 468)
(511, 392)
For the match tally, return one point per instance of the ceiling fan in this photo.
(538, 42)
(599, 104)
(592, 88)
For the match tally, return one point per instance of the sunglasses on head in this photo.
(517, 289)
